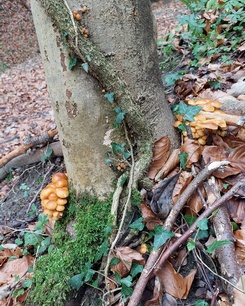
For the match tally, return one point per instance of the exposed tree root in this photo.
(29, 143)
(27, 159)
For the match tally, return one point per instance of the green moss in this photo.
(52, 271)
(136, 198)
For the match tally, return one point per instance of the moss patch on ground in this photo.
(52, 271)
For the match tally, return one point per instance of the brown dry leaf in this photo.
(6, 253)
(13, 267)
(193, 150)
(214, 153)
(170, 164)
(237, 163)
(240, 244)
(174, 283)
(219, 142)
(161, 153)
(150, 219)
(127, 256)
(233, 141)
(157, 294)
(195, 203)
(239, 297)
(184, 180)
(236, 209)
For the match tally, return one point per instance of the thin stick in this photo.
(73, 22)
(154, 262)
(127, 204)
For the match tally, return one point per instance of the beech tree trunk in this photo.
(121, 55)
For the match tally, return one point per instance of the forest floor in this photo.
(25, 112)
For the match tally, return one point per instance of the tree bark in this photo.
(123, 60)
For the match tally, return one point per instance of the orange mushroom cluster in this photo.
(54, 196)
(202, 124)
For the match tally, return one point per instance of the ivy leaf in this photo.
(136, 269)
(138, 224)
(182, 126)
(191, 245)
(202, 235)
(126, 291)
(114, 261)
(119, 118)
(117, 109)
(190, 219)
(201, 303)
(183, 158)
(161, 236)
(18, 292)
(88, 57)
(217, 244)
(46, 155)
(85, 67)
(27, 283)
(102, 251)
(203, 224)
(76, 281)
(110, 97)
(120, 148)
(189, 111)
(127, 281)
(18, 241)
(72, 62)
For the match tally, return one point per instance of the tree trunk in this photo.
(123, 32)
(118, 57)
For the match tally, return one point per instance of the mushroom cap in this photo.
(62, 192)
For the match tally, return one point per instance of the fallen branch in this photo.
(155, 259)
(27, 159)
(29, 143)
(229, 119)
(229, 266)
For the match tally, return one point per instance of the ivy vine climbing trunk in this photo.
(121, 57)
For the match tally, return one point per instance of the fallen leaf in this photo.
(161, 202)
(161, 153)
(157, 294)
(173, 282)
(237, 163)
(184, 180)
(127, 256)
(193, 150)
(195, 203)
(239, 297)
(171, 163)
(13, 267)
(150, 219)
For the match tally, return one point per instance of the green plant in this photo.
(72, 255)
(25, 189)
(208, 38)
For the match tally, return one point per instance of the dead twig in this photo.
(156, 258)
(26, 159)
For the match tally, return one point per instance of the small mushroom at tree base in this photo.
(54, 196)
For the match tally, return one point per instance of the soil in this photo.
(25, 108)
